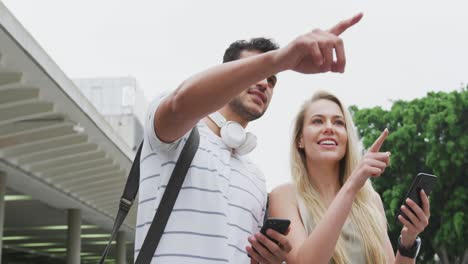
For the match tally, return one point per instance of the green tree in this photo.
(429, 135)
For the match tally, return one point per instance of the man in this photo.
(221, 205)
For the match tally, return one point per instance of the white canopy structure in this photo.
(61, 161)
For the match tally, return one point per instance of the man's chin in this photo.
(254, 115)
(256, 112)
(249, 111)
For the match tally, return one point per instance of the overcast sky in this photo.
(399, 50)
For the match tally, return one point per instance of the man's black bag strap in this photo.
(167, 201)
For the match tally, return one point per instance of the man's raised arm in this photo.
(208, 91)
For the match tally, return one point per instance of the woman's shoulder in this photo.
(283, 201)
(285, 192)
(284, 189)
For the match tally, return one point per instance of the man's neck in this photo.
(229, 116)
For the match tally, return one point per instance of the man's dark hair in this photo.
(259, 44)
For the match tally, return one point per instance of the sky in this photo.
(399, 50)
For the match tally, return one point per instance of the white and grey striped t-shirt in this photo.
(221, 203)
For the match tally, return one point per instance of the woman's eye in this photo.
(316, 121)
(339, 122)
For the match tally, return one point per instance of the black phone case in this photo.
(421, 181)
(277, 224)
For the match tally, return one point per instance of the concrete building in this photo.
(62, 164)
(115, 99)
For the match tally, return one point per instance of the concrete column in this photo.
(2, 208)
(121, 251)
(74, 236)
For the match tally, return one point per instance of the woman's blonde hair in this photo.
(365, 214)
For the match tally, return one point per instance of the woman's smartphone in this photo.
(421, 181)
(279, 225)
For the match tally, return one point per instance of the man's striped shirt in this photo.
(221, 203)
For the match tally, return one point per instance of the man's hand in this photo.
(266, 250)
(313, 52)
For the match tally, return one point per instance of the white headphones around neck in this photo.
(234, 135)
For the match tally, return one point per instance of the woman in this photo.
(336, 216)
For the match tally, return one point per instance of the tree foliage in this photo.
(429, 135)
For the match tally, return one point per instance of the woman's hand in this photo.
(372, 164)
(264, 250)
(419, 219)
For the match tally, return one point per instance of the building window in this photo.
(96, 97)
(128, 96)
